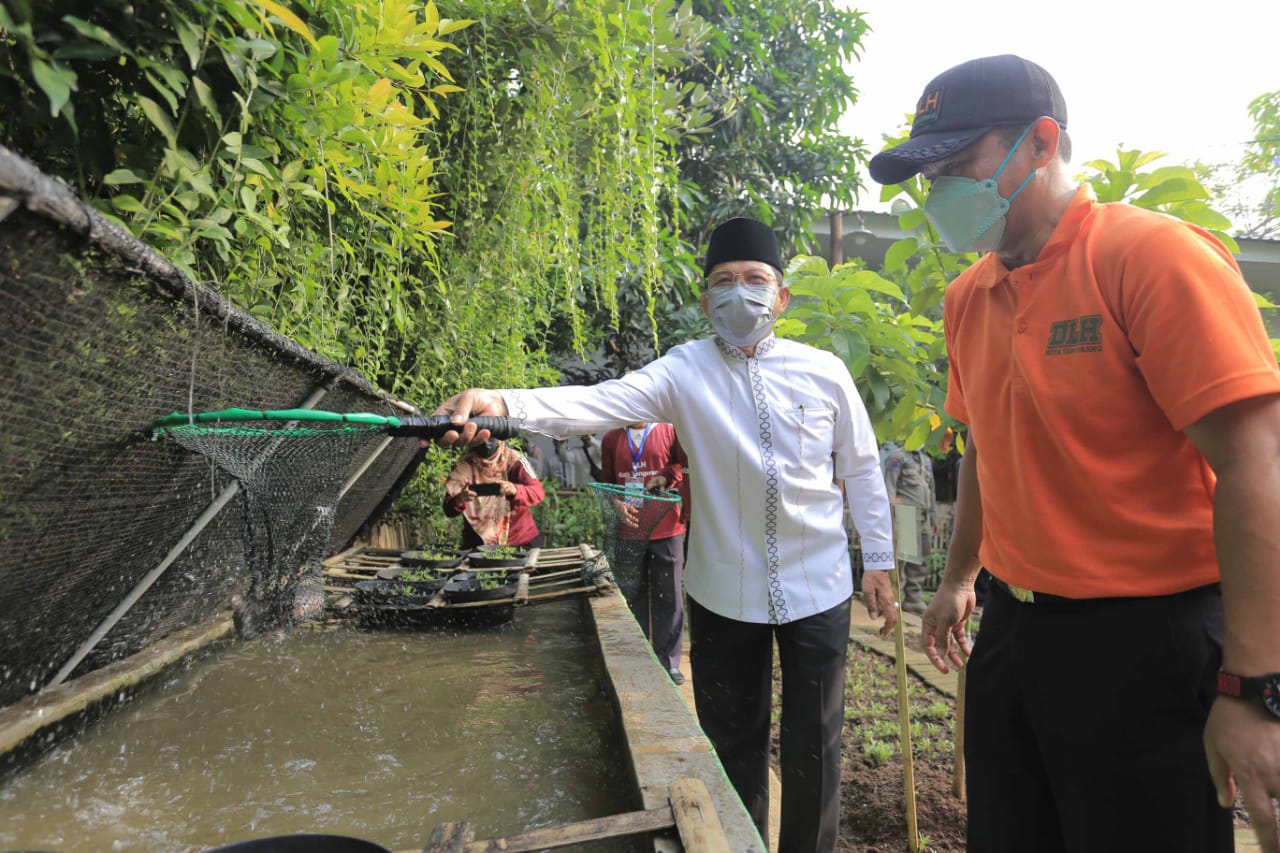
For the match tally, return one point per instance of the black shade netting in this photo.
(99, 335)
(292, 476)
(629, 518)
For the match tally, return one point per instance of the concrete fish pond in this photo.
(552, 727)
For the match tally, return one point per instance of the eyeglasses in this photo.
(753, 279)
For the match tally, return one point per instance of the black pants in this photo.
(732, 666)
(657, 601)
(1084, 723)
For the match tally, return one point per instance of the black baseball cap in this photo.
(962, 103)
(742, 239)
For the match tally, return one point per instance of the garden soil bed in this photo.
(873, 809)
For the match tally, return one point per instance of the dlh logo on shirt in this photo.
(1082, 334)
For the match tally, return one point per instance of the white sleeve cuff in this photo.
(877, 556)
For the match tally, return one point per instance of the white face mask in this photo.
(742, 314)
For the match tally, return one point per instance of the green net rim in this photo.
(663, 496)
(242, 431)
(234, 423)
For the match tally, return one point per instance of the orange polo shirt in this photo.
(1077, 374)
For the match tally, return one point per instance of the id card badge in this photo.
(633, 483)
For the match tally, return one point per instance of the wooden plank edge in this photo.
(595, 829)
(695, 816)
(28, 717)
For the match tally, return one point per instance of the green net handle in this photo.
(184, 418)
(418, 426)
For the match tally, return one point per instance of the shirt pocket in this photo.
(807, 432)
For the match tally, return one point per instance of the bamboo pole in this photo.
(337, 559)
(957, 777)
(904, 726)
(546, 596)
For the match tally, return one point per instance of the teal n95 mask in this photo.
(969, 215)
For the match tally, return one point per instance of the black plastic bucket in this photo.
(416, 559)
(480, 559)
(468, 588)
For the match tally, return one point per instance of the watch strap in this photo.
(1230, 684)
(1263, 689)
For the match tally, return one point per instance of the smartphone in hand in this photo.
(486, 488)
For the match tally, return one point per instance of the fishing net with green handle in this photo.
(312, 422)
(293, 466)
(630, 517)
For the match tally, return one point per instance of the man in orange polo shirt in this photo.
(1113, 369)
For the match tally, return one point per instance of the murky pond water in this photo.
(376, 734)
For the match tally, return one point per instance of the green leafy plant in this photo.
(937, 711)
(891, 352)
(491, 579)
(569, 517)
(436, 554)
(878, 752)
(884, 730)
(1175, 190)
(418, 575)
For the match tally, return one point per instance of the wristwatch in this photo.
(1263, 689)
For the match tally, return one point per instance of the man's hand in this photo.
(1242, 743)
(473, 402)
(877, 595)
(628, 514)
(947, 618)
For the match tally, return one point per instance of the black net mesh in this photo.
(98, 337)
(630, 517)
(292, 475)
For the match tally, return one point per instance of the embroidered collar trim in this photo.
(732, 352)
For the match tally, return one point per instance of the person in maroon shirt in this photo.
(649, 456)
(492, 487)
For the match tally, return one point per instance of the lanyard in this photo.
(637, 451)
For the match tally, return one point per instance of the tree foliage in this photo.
(432, 200)
(288, 162)
(1262, 162)
(1248, 190)
(779, 77)
(561, 174)
(893, 353)
(767, 87)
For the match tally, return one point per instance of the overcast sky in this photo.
(1150, 75)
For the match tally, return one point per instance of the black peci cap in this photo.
(742, 239)
(962, 103)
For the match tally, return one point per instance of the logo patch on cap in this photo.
(927, 108)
